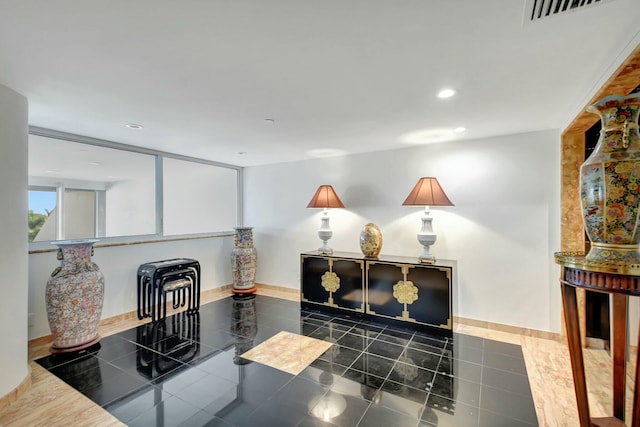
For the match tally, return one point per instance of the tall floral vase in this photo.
(243, 262)
(610, 183)
(74, 297)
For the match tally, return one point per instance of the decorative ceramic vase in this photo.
(74, 296)
(243, 261)
(370, 240)
(610, 182)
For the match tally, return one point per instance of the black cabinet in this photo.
(396, 289)
(333, 282)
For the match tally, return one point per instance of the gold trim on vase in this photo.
(625, 127)
(618, 246)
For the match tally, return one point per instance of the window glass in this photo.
(42, 203)
(198, 198)
(79, 214)
(105, 192)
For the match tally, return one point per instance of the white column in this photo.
(13, 245)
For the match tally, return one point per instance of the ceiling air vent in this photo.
(535, 10)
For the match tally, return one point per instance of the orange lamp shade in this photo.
(427, 192)
(325, 197)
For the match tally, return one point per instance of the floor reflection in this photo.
(188, 371)
(244, 325)
(176, 339)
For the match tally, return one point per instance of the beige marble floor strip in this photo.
(288, 352)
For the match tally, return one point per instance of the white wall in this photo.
(119, 264)
(13, 245)
(502, 231)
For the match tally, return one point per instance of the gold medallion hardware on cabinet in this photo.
(405, 293)
(330, 282)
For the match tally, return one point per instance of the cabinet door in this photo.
(334, 282)
(433, 305)
(412, 293)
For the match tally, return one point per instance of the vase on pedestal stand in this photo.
(243, 262)
(610, 183)
(74, 297)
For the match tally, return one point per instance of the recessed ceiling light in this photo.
(134, 126)
(95, 163)
(270, 120)
(52, 171)
(242, 153)
(326, 152)
(446, 93)
(431, 135)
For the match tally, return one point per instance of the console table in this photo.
(390, 289)
(620, 281)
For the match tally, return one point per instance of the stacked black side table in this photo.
(181, 276)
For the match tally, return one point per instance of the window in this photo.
(81, 188)
(100, 191)
(42, 203)
(198, 197)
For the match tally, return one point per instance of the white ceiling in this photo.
(337, 76)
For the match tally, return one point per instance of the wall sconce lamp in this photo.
(325, 198)
(427, 192)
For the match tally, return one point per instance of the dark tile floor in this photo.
(187, 371)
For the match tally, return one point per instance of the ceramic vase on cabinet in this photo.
(74, 296)
(243, 261)
(371, 240)
(610, 182)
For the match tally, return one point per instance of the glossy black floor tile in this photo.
(172, 411)
(512, 405)
(395, 336)
(373, 364)
(339, 355)
(365, 383)
(131, 406)
(463, 415)
(188, 371)
(505, 380)
(504, 362)
(381, 416)
(354, 341)
(411, 375)
(385, 349)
